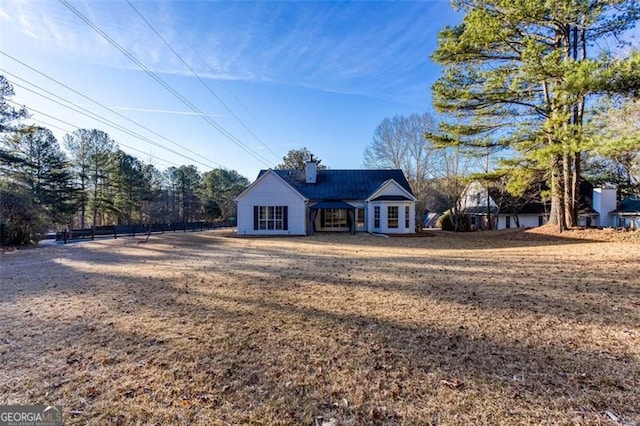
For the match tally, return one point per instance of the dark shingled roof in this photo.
(629, 206)
(341, 184)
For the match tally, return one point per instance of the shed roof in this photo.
(629, 206)
(342, 184)
(331, 205)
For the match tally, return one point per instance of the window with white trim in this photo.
(392, 216)
(376, 216)
(406, 217)
(271, 217)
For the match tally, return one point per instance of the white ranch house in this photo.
(598, 208)
(301, 202)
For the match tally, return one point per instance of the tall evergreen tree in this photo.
(8, 114)
(42, 168)
(521, 72)
(92, 155)
(131, 187)
(184, 183)
(9, 117)
(219, 189)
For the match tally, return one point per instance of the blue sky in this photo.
(277, 75)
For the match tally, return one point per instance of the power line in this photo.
(77, 127)
(52, 125)
(49, 124)
(110, 110)
(164, 84)
(81, 110)
(210, 70)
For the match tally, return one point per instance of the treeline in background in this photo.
(86, 181)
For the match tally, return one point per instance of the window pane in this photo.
(392, 216)
(271, 217)
(335, 218)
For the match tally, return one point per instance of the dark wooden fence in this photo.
(115, 231)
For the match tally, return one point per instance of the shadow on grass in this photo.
(227, 335)
(507, 238)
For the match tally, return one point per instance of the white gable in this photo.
(271, 190)
(391, 188)
(269, 186)
(475, 195)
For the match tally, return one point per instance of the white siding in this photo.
(526, 221)
(604, 201)
(270, 190)
(384, 219)
(391, 189)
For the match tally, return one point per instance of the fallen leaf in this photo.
(455, 384)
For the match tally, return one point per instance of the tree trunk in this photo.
(575, 189)
(83, 197)
(96, 182)
(488, 210)
(556, 215)
(567, 189)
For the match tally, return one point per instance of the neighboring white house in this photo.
(627, 215)
(597, 208)
(296, 202)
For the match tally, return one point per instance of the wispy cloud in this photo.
(367, 48)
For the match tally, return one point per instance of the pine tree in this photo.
(92, 156)
(521, 72)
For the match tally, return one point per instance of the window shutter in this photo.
(285, 218)
(255, 218)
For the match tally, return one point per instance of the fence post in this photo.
(65, 236)
(93, 235)
(115, 232)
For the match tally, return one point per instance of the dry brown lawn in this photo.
(205, 328)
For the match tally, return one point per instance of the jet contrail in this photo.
(161, 111)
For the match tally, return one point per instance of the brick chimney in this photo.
(311, 170)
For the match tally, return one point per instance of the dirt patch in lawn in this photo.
(497, 327)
